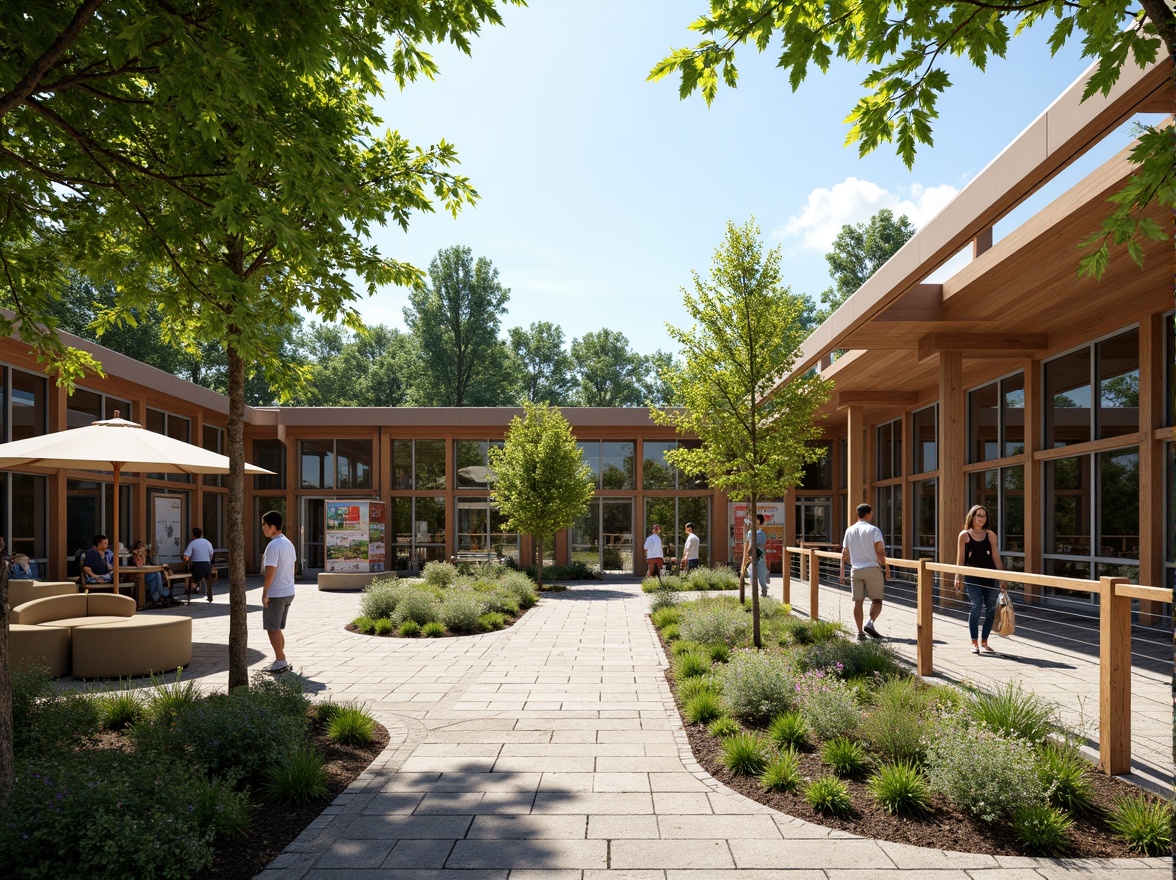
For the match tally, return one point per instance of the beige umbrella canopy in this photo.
(119, 445)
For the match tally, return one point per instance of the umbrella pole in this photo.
(114, 528)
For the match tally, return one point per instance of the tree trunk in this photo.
(755, 603)
(238, 628)
(7, 758)
(539, 561)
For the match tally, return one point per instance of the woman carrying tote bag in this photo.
(976, 548)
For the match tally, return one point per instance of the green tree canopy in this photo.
(861, 249)
(745, 336)
(541, 481)
(455, 320)
(372, 367)
(610, 372)
(544, 365)
(906, 43)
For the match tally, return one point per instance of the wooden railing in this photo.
(1114, 666)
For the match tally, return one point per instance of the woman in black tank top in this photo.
(977, 548)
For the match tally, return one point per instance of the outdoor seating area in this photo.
(97, 635)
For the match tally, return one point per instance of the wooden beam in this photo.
(982, 344)
(876, 398)
(982, 242)
(921, 302)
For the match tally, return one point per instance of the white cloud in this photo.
(855, 201)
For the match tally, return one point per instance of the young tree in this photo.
(905, 44)
(455, 321)
(610, 372)
(545, 367)
(746, 335)
(541, 481)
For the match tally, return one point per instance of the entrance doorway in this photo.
(603, 536)
(312, 532)
(813, 517)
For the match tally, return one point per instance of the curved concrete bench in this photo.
(78, 609)
(21, 591)
(44, 644)
(132, 646)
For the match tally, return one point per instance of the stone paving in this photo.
(553, 751)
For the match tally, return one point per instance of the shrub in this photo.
(1042, 830)
(828, 794)
(462, 611)
(103, 813)
(120, 709)
(743, 755)
(756, 686)
(782, 774)
(900, 788)
(664, 596)
(45, 719)
(440, 574)
(770, 608)
(796, 630)
(410, 629)
(502, 603)
(433, 630)
(663, 617)
(852, 659)
(983, 773)
(702, 708)
(520, 587)
(1062, 766)
(577, 571)
(667, 582)
(1013, 711)
(680, 647)
(846, 756)
(380, 598)
(220, 807)
(691, 665)
(723, 727)
(418, 605)
(828, 704)
(720, 652)
(298, 778)
(285, 694)
(351, 726)
(364, 625)
(691, 687)
(1144, 823)
(825, 630)
(714, 620)
(789, 730)
(899, 719)
(491, 621)
(711, 579)
(670, 632)
(167, 700)
(324, 712)
(382, 627)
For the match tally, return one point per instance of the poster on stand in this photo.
(355, 536)
(170, 539)
(773, 512)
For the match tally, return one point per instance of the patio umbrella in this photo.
(119, 445)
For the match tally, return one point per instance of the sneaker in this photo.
(871, 632)
(861, 637)
(278, 666)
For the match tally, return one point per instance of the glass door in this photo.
(312, 533)
(616, 523)
(813, 516)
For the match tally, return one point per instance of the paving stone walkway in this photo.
(552, 751)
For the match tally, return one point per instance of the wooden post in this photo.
(1114, 678)
(814, 585)
(923, 619)
(786, 598)
(953, 441)
(856, 466)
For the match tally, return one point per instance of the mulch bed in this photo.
(943, 827)
(273, 828)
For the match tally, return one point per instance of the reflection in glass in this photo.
(661, 511)
(925, 440)
(354, 463)
(1118, 385)
(28, 404)
(1013, 413)
(83, 408)
(1067, 395)
(429, 469)
(1013, 509)
(271, 455)
(889, 442)
(1067, 482)
(317, 464)
(888, 518)
(29, 515)
(1118, 484)
(401, 464)
(472, 464)
(819, 474)
(983, 424)
(616, 459)
(584, 536)
(983, 489)
(926, 517)
(1170, 514)
(656, 471)
(590, 449)
(616, 525)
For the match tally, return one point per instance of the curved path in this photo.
(553, 751)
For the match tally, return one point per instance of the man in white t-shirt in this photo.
(277, 592)
(654, 555)
(690, 551)
(863, 548)
(198, 555)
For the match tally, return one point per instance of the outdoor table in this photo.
(140, 572)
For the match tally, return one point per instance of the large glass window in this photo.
(1068, 490)
(889, 445)
(1012, 414)
(984, 423)
(888, 518)
(819, 474)
(418, 464)
(316, 464)
(1067, 399)
(926, 523)
(1118, 519)
(472, 458)
(1118, 385)
(353, 464)
(26, 496)
(83, 407)
(480, 529)
(657, 473)
(1169, 323)
(1170, 514)
(271, 455)
(214, 441)
(213, 521)
(672, 514)
(925, 440)
(419, 531)
(611, 462)
(1074, 412)
(1002, 493)
(29, 404)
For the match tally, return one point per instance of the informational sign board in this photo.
(355, 535)
(773, 512)
(170, 539)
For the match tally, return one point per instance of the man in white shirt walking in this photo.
(654, 555)
(198, 555)
(690, 551)
(864, 550)
(277, 592)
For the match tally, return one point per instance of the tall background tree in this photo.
(906, 45)
(610, 372)
(455, 320)
(545, 368)
(746, 335)
(858, 252)
(541, 481)
(373, 367)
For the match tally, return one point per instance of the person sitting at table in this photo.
(95, 569)
(158, 586)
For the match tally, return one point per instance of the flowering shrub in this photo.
(714, 620)
(757, 686)
(828, 704)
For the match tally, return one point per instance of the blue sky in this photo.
(600, 192)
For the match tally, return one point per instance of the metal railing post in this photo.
(1114, 677)
(923, 619)
(814, 585)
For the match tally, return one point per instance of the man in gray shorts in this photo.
(863, 548)
(277, 592)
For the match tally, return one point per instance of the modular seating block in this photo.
(39, 644)
(336, 581)
(21, 591)
(133, 646)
